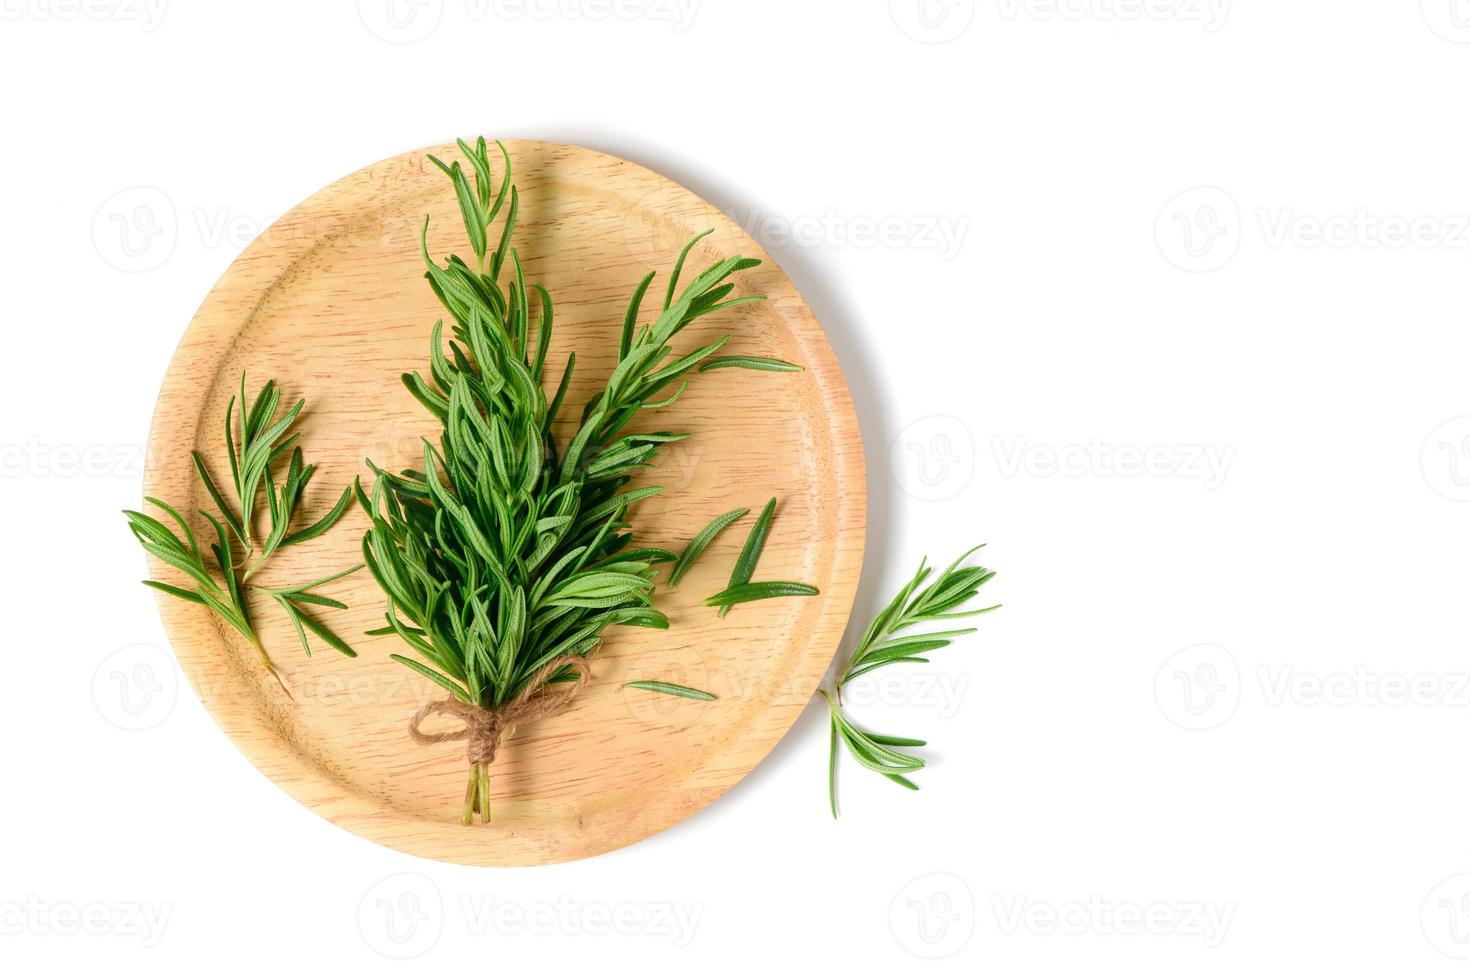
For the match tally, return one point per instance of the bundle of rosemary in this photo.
(506, 557)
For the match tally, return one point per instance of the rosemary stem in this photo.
(245, 576)
(270, 666)
(467, 815)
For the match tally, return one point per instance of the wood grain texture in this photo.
(331, 302)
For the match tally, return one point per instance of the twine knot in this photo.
(483, 728)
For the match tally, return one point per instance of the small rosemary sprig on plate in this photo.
(509, 554)
(263, 440)
(887, 642)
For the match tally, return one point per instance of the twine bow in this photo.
(485, 727)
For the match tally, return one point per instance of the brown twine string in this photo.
(485, 727)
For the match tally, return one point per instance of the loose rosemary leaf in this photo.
(676, 690)
(749, 363)
(701, 541)
(750, 554)
(754, 591)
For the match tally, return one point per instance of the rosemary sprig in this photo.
(508, 555)
(882, 645)
(263, 440)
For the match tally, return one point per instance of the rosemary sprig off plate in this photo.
(891, 641)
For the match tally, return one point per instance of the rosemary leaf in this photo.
(701, 541)
(676, 690)
(754, 591)
(749, 363)
(751, 552)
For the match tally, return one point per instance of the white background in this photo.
(1164, 300)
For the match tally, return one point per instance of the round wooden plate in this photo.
(331, 302)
